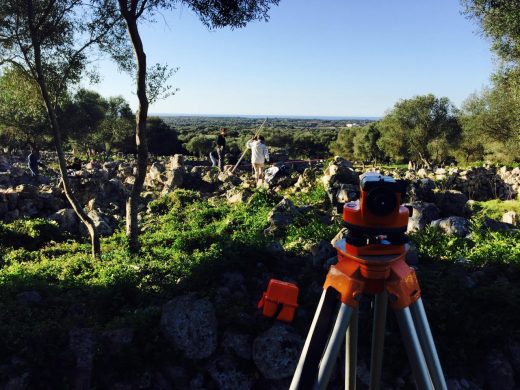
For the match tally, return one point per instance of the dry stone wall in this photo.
(478, 183)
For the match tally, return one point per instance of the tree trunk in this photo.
(83, 216)
(426, 162)
(132, 203)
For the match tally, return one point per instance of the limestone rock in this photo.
(451, 202)
(421, 190)
(339, 171)
(238, 195)
(283, 214)
(275, 249)
(83, 344)
(239, 344)
(457, 226)
(100, 222)
(276, 351)
(227, 374)
(67, 220)
(322, 251)
(190, 325)
(423, 214)
(510, 217)
(176, 161)
(306, 179)
(496, 226)
(211, 176)
(28, 298)
(117, 339)
(228, 177)
(499, 373)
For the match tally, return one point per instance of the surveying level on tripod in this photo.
(378, 212)
(371, 260)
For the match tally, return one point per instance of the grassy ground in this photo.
(471, 288)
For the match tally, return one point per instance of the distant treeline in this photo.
(424, 129)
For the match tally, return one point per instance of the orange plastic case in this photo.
(280, 300)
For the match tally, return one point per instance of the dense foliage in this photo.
(491, 118)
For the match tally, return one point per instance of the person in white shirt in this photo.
(259, 156)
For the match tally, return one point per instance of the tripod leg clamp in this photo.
(402, 287)
(348, 287)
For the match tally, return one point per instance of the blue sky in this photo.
(314, 58)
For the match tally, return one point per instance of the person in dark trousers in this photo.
(75, 165)
(33, 161)
(221, 148)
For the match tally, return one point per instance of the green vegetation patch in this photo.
(484, 246)
(496, 208)
(29, 233)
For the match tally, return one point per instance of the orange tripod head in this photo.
(377, 221)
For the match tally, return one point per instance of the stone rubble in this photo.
(188, 322)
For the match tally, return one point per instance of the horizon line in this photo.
(259, 116)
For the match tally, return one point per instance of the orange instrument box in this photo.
(280, 300)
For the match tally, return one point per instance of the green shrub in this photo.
(29, 233)
(175, 200)
(308, 230)
(484, 247)
(316, 196)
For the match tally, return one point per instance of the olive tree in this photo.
(212, 13)
(49, 42)
(424, 128)
(23, 119)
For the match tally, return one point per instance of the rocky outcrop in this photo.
(423, 214)
(225, 371)
(321, 252)
(276, 351)
(451, 202)
(457, 226)
(499, 372)
(238, 195)
(338, 179)
(478, 183)
(282, 215)
(306, 180)
(421, 190)
(83, 343)
(190, 325)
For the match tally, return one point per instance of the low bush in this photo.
(481, 248)
(29, 233)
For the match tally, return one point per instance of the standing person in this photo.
(221, 148)
(259, 156)
(213, 156)
(33, 161)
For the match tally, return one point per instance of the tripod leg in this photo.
(378, 340)
(307, 368)
(351, 352)
(428, 345)
(333, 346)
(413, 349)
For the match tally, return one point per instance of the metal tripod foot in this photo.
(413, 349)
(427, 344)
